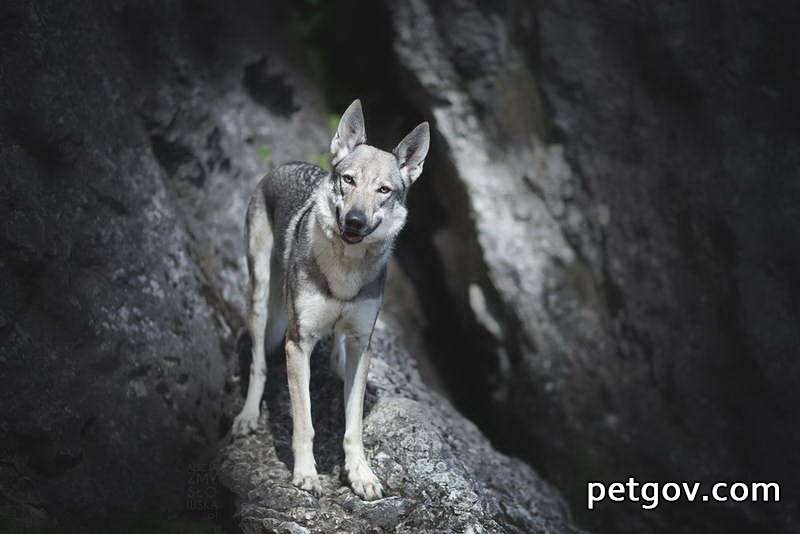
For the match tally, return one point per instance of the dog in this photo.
(333, 235)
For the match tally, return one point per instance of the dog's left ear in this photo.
(349, 134)
(412, 150)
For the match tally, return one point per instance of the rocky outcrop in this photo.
(623, 177)
(131, 139)
(439, 472)
(111, 350)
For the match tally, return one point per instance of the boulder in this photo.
(617, 185)
(112, 349)
(439, 472)
(131, 140)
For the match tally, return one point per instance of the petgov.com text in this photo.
(651, 494)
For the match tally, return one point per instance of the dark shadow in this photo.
(268, 89)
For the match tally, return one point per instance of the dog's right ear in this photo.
(349, 134)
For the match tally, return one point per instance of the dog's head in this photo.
(368, 186)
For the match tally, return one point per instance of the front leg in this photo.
(357, 359)
(298, 370)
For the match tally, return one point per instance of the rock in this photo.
(617, 184)
(439, 472)
(131, 140)
(110, 351)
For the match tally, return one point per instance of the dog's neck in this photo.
(347, 267)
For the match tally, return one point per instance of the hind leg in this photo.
(276, 310)
(247, 420)
(337, 355)
(260, 311)
(267, 325)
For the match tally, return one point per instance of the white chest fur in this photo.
(345, 267)
(320, 314)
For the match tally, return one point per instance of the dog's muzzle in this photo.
(355, 228)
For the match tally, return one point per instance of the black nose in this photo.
(355, 220)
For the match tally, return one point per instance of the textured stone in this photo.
(627, 174)
(127, 158)
(112, 351)
(440, 473)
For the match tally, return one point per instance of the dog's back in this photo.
(284, 191)
(278, 197)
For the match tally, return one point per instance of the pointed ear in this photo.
(349, 134)
(411, 152)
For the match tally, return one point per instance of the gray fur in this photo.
(326, 276)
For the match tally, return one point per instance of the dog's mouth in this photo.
(352, 237)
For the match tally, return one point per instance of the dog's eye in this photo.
(348, 179)
(384, 190)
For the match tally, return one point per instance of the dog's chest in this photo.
(345, 275)
(319, 314)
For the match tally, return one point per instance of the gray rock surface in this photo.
(439, 472)
(131, 139)
(625, 176)
(111, 352)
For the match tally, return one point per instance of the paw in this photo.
(363, 481)
(245, 423)
(308, 481)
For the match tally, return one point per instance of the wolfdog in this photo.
(333, 235)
